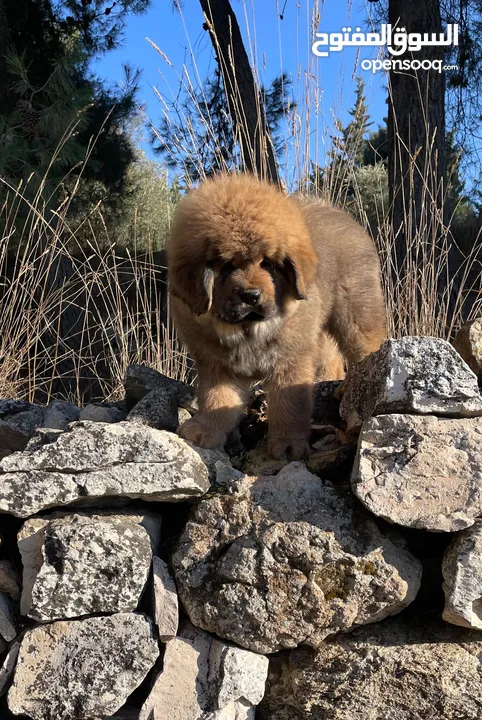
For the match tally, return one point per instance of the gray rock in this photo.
(141, 379)
(166, 605)
(59, 413)
(102, 413)
(81, 668)
(12, 407)
(462, 571)
(205, 679)
(7, 619)
(468, 343)
(157, 409)
(28, 420)
(411, 375)
(287, 560)
(8, 666)
(81, 564)
(11, 439)
(211, 458)
(9, 582)
(389, 671)
(420, 471)
(98, 460)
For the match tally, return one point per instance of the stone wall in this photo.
(142, 578)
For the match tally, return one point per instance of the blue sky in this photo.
(276, 44)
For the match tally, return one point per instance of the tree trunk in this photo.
(416, 129)
(243, 97)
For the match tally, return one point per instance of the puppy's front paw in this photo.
(199, 431)
(292, 446)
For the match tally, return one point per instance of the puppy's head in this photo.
(239, 249)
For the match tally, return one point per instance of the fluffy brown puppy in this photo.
(266, 287)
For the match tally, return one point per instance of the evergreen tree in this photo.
(51, 106)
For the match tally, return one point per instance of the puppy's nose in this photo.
(250, 296)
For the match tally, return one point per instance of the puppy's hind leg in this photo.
(222, 400)
(359, 324)
(331, 365)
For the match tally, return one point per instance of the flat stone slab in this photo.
(421, 471)
(286, 560)
(82, 668)
(93, 460)
(419, 375)
(468, 343)
(462, 571)
(165, 602)
(389, 671)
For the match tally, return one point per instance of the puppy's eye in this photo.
(227, 268)
(267, 265)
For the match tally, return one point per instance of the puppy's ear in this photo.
(192, 282)
(299, 275)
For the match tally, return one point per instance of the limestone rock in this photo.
(98, 460)
(81, 668)
(287, 560)
(80, 564)
(59, 414)
(468, 343)
(211, 457)
(411, 375)
(205, 679)
(9, 582)
(462, 571)
(421, 471)
(183, 415)
(389, 671)
(7, 619)
(102, 413)
(141, 379)
(157, 409)
(166, 605)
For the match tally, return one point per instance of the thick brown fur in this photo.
(317, 277)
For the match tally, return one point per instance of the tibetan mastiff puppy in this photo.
(272, 288)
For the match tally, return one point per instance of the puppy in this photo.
(266, 287)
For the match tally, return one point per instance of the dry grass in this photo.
(70, 324)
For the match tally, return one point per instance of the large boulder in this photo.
(390, 671)
(205, 679)
(286, 560)
(92, 461)
(411, 375)
(81, 564)
(81, 669)
(462, 571)
(421, 471)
